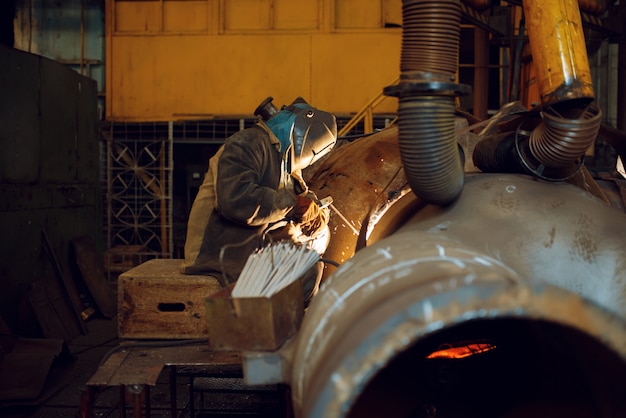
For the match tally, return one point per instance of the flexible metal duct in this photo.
(565, 135)
(426, 92)
(550, 144)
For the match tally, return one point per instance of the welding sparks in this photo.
(356, 232)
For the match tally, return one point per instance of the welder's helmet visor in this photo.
(314, 135)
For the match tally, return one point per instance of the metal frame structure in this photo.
(138, 200)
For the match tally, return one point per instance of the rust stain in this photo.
(557, 203)
(584, 245)
(354, 175)
(550, 241)
(506, 202)
(375, 156)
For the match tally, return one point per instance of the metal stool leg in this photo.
(192, 408)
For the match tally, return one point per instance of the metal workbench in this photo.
(135, 366)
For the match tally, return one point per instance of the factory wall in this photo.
(172, 60)
(49, 165)
(69, 31)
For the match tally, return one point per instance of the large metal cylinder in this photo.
(355, 176)
(521, 279)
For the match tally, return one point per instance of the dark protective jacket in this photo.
(251, 193)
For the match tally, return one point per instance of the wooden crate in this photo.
(155, 300)
(257, 324)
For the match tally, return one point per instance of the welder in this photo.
(254, 192)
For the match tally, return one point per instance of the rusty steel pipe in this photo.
(363, 177)
(356, 175)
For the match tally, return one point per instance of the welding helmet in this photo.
(306, 133)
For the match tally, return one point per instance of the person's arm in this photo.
(246, 171)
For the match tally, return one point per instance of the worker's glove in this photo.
(316, 224)
(304, 210)
(309, 216)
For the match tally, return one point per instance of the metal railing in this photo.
(366, 114)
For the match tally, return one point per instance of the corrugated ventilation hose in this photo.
(564, 134)
(430, 37)
(426, 92)
(553, 149)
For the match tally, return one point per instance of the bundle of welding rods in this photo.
(272, 268)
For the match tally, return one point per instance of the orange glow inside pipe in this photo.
(461, 352)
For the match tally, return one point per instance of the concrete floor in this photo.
(60, 396)
(67, 378)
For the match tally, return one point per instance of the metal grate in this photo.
(138, 187)
(137, 166)
(214, 131)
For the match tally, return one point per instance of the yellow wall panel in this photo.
(247, 14)
(358, 14)
(137, 16)
(185, 15)
(146, 82)
(249, 72)
(168, 73)
(296, 14)
(392, 13)
(191, 76)
(351, 69)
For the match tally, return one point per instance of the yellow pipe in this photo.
(557, 43)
